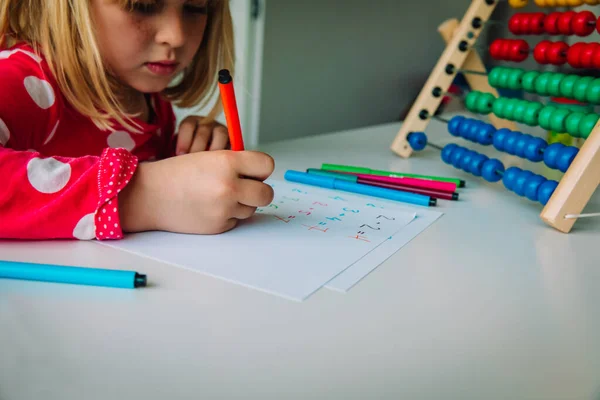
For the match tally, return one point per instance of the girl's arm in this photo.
(45, 197)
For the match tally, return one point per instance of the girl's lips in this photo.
(162, 68)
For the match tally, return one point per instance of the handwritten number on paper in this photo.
(369, 226)
(299, 191)
(350, 210)
(388, 218)
(319, 203)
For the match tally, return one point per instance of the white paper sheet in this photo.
(291, 248)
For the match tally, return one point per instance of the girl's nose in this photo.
(170, 30)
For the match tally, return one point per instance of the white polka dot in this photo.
(85, 228)
(51, 135)
(8, 53)
(40, 91)
(4, 133)
(48, 175)
(121, 139)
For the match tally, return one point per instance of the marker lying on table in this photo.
(74, 275)
(446, 187)
(340, 184)
(438, 194)
(361, 170)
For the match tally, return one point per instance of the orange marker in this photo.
(231, 111)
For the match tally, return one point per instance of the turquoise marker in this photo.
(74, 275)
(341, 184)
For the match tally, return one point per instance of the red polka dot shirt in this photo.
(61, 174)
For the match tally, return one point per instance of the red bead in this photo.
(587, 55)
(564, 24)
(514, 23)
(598, 25)
(551, 23)
(496, 48)
(540, 51)
(519, 50)
(596, 60)
(537, 23)
(583, 23)
(574, 54)
(557, 53)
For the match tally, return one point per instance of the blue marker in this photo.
(335, 183)
(74, 275)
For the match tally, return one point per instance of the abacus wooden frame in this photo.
(581, 179)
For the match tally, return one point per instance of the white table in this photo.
(488, 303)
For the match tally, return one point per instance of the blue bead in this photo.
(474, 128)
(447, 152)
(545, 191)
(499, 138)
(551, 154)
(417, 140)
(477, 164)
(510, 143)
(534, 151)
(490, 169)
(521, 145)
(566, 157)
(521, 181)
(532, 186)
(466, 159)
(464, 127)
(454, 124)
(485, 136)
(510, 175)
(457, 155)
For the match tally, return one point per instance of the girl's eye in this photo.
(192, 9)
(144, 8)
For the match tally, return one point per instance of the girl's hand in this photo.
(200, 193)
(194, 136)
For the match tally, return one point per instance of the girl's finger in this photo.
(244, 212)
(201, 138)
(254, 193)
(220, 138)
(185, 135)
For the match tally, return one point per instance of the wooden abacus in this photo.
(564, 200)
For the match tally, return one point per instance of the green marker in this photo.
(361, 170)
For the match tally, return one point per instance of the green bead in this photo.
(567, 84)
(485, 103)
(592, 94)
(519, 112)
(545, 115)
(532, 113)
(471, 100)
(554, 84)
(541, 83)
(580, 87)
(494, 77)
(509, 109)
(514, 79)
(587, 124)
(572, 123)
(499, 106)
(558, 118)
(529, 79)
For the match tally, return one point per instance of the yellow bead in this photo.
(561, 3)
(573, 3)
(540, 3)
(517, 3)
(592, 2)
(550, 3)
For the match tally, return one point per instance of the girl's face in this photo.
(148, 44)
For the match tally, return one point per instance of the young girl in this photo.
(86, 88)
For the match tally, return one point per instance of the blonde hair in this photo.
(62, 30)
